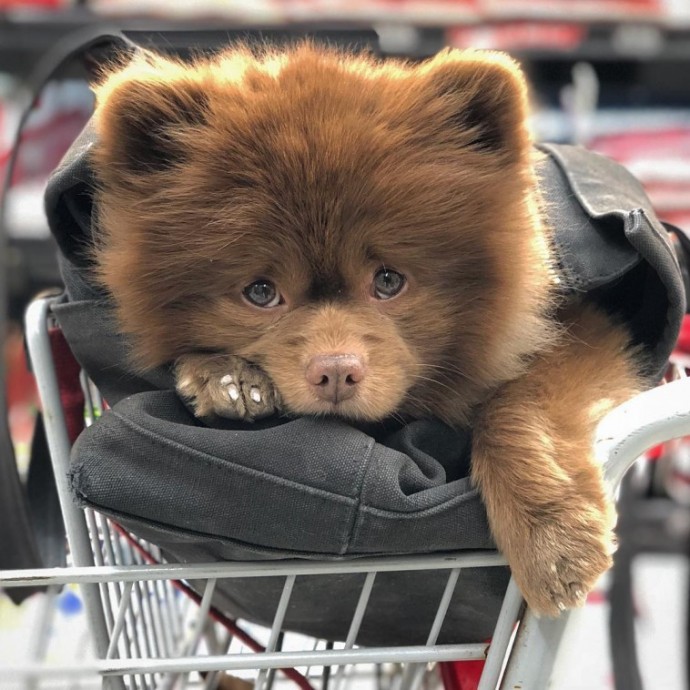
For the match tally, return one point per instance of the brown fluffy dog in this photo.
(326, 234)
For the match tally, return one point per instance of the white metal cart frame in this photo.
(143, 656)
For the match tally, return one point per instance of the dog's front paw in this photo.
(226, 386)
(563, 560)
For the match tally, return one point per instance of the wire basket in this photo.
(153, 625)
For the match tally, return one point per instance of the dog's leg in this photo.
(533, 461)
(226, 386)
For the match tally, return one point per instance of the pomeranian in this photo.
(327, 234)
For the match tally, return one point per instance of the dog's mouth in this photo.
(335, 378)
(341, 385)
(356, 409)
(337, 360)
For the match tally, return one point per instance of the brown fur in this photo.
(314, 169)
(532, 458)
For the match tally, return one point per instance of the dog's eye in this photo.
(388, 283)
(262, 293)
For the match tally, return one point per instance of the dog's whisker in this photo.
(434, 381)
(445, 368)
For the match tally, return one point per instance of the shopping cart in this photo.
(146, 633)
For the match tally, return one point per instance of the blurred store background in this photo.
(613, 75)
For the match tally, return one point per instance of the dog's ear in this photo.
(145, 114)
(483, 98)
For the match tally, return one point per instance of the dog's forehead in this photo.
(306, 130)
(332, 257)
(329, 184)
(328, 224)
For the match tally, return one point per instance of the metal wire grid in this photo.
(133, 611)
(135, 617)
(139, 601)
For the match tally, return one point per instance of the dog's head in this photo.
(364, 231)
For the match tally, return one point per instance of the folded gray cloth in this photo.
(305, 488)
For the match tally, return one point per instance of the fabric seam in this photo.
(356, 508)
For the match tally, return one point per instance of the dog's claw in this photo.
(246, 393)
(233, 392)
(551, 591)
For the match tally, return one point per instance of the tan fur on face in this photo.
(388, 362)
(314, 169)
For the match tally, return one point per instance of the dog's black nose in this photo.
(335, 377)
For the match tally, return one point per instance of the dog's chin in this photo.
(353, 409)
